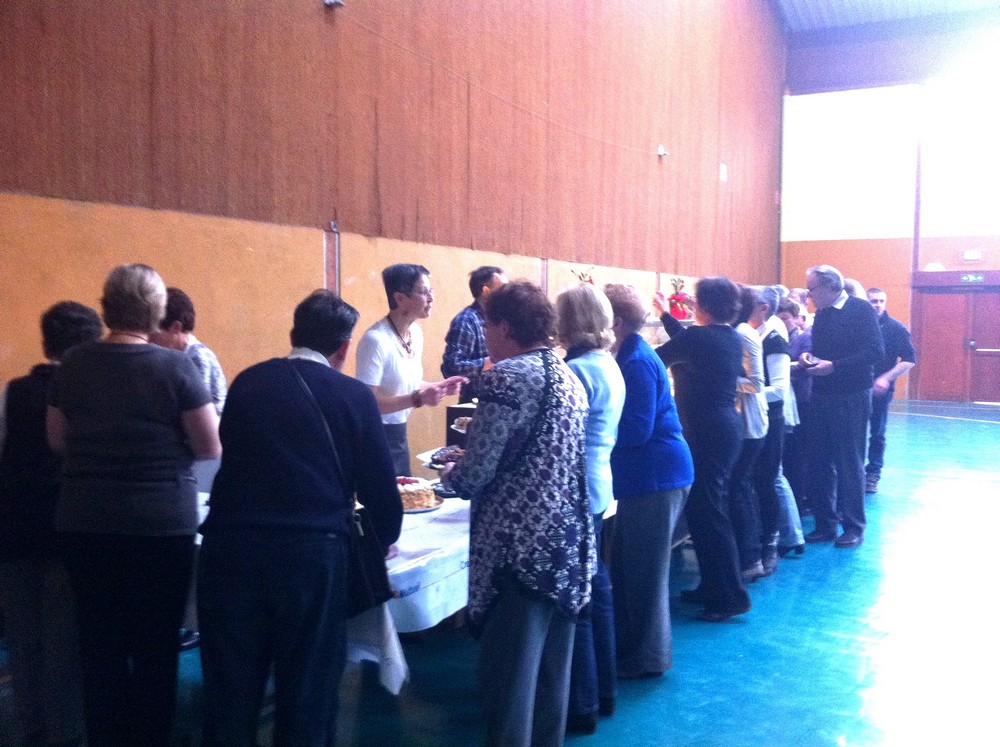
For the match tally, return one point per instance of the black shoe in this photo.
(818, 537)
(584, 723)
(695, 596)
(799, 549)
(717, 616)
(848, 540)
(189, 639)
(606, 706)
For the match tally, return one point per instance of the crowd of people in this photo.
(98, 501)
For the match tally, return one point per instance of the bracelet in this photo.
(415, 399)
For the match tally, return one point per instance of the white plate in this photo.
(439, 500)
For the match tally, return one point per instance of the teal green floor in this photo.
(895, 643)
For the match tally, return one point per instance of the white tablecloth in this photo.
(371, 636)
(430, 575)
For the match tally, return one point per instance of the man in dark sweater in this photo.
(846, 345)
(899, 358)
(271, 584)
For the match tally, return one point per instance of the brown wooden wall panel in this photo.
(528, 128)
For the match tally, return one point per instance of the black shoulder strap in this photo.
(322, 418)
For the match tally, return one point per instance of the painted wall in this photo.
(244, 278)
(879, 263)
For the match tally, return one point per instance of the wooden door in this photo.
(956, 332)
(984, 347)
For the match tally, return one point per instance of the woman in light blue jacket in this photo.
(584, 328)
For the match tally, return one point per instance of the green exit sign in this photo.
(972, 277)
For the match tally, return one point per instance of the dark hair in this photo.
(323, 322)
(66, 324)
(875, 290)
(748, 302)
(480, 277)
(719, 298)
(179, 309)
(401, 279)
(527, 310)
(790, 306)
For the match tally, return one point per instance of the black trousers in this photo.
(839, 428)
(269, 597)
(130, 593)
(743, 504)
(715, 445)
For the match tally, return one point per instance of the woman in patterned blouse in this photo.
(531, 550)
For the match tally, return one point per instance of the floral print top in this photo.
(525, 473)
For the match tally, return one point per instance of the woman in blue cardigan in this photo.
(652, 470)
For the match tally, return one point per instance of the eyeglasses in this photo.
(426, 293)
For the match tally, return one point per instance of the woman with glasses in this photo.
(389, 357)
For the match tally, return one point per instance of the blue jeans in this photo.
(268, 596)
(876, 439)
(594, 674)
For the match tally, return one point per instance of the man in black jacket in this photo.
(847, 343)
(899, 358)
(271, 574)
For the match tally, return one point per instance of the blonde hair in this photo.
(135, 298)
(585, 318)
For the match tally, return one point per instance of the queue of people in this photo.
(109, 429)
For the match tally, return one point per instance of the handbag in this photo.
(367, 578)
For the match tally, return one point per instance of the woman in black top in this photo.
(705, 361)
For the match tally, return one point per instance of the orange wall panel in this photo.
(244, 278)
(879, 263)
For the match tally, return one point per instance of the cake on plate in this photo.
(416, 493)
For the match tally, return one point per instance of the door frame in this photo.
(960, 282)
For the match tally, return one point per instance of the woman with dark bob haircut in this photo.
(531, 544)
(706, 361)
(129, 418)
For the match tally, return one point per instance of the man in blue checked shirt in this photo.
(465, 348)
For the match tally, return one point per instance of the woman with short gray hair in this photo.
(129, 419)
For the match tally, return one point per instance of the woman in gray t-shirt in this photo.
(129, 418)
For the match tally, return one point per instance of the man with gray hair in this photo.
(846, 345)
